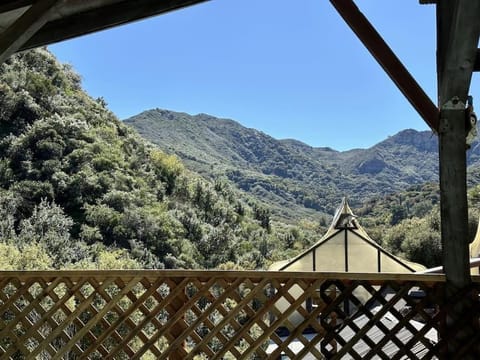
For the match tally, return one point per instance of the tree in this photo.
(50, 228)
(417, 239)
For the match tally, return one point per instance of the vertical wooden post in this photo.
(454, 225)
(453, 193)
(458, 31)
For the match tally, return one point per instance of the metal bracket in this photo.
(453, 104)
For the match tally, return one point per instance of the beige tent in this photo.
(346, 247)
(475, 253)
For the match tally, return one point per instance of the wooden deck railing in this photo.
(221, 315)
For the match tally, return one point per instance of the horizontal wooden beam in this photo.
(206, 275)
(102, 18)
(15, 36)
(388, 61)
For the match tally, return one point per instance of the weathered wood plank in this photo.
(453, 195)
(206, 275)
(458, 32)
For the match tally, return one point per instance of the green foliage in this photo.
(78, 185)
(103, 258)
(292, 179)
(167, 168)
(30, 257)
(417, 239)
(79, 189)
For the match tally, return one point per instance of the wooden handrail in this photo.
(228, 274)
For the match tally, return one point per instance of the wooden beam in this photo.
(453, 193)
(13, 5)
(476, 65)
(458, 34)
(388, 61)
(102, 18)
(12, 39)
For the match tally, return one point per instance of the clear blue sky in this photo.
(289, 71)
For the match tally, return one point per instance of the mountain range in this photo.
(81, 189)
(295, 179)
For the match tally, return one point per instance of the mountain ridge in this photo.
(310, 179)
(78, 186)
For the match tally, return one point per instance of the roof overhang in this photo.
(26, 24)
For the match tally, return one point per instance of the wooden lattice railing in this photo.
(220, 315)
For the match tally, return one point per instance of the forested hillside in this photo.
(295, 179)
(80, 189)
(392, 186)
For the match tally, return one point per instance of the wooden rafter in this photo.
(389, 61)
(36, 24)
(476, 66)
(15, 36)
(101, 18)
(13, 5)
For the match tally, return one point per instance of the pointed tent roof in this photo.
(346, 246)
(345, 219)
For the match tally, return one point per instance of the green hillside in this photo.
(78, 188)
(294, 179)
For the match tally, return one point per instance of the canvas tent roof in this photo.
(475, 253)
(346, 247)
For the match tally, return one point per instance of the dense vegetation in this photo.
(294, 179)
(80, 189)
(392, 186)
